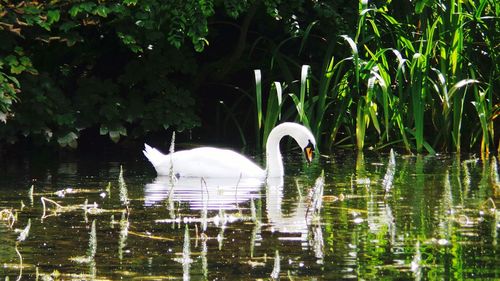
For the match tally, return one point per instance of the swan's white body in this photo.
(210, 162)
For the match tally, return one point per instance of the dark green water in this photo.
(420, 218)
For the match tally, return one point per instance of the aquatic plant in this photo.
(269, 115)
(437, 209)
(410, 78)
(8, 216)
(122, 187)
(389, 174)
(25, 232)
(276, 268)
(92, 249)
(316, 198)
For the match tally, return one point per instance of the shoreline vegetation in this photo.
(419, 76)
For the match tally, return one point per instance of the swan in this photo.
(211, 162)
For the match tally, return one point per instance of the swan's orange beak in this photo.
(309, 152)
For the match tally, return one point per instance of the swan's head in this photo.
(304, 138)
(309, 151)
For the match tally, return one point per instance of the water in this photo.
(371, 216)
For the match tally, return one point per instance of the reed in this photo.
(420, 81)
(423, 85)
(267, 120)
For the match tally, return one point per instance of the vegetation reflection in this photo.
(399, 216)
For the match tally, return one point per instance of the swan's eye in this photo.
(309, 152)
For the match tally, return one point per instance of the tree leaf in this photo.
(53, 16)
(114, 136)
(102, 11)
(74, 11)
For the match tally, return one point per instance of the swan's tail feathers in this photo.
(154, 156)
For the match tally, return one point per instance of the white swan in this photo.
(222, 163)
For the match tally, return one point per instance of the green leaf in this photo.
(87, 6)
(25, 61)
(74, 11)
(420, 6)
(53, 16)
(17, 69)
(11, 60)
(258, 96)
(18, 50)
(352, 44)
(102, 11)
(115, 136)
(103, 130)
(459, 85)
(130, 2)
(68, 140)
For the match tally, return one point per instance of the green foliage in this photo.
(407, 78)
(372, 73)
(135, 103)
(123, 67)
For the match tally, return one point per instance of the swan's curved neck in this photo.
(274, 161)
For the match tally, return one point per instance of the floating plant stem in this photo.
(186, 248)
(318, 244)
(236, 193)
(276, 269)
(256, 229)
(204, 260)
(447, 209)
(108, 189)
(171, 151)
(30, 194)
(220, 236)
(92, 241)
(494, 173)
(185, 260)
(316, 197)
(389, 174)
(415, 265)
(252, 210)
(20, 263)
(7, 215)
(149, 236)
(25, 232)
(85, 210)
(122, 240)
(89, 258)
(204, 210)
(123, 188)
(488, 205)
(45, 208)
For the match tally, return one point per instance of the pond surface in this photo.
(370, 216)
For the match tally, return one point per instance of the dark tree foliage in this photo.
(136, 66)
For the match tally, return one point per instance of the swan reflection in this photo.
(228, 193)
(301, 215)
(203, 193)
(297, 224)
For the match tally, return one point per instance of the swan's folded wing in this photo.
(213, 162)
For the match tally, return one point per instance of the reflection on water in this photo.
(366, 217)
(209, 193)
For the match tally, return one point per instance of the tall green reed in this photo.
(422, 90)
(413, 80)
(267, 120)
